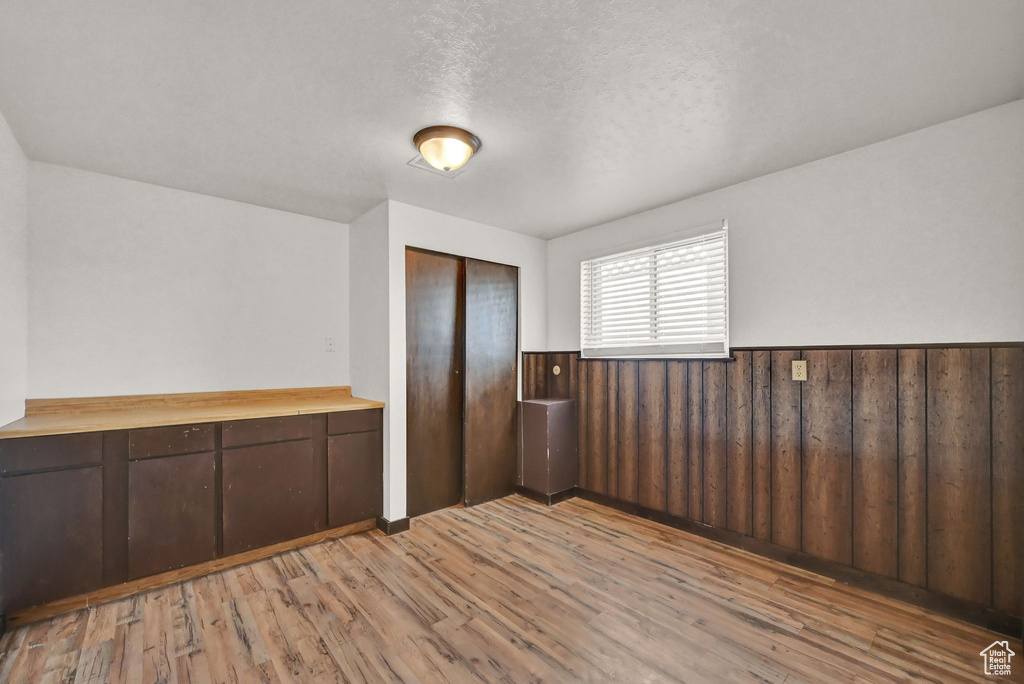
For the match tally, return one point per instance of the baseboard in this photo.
(390, 527)
(989, 618)
(165, 579)
(546, 499)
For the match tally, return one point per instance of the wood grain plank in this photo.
(678, 485)
(959, 474)
(695, 438)
(913, 470)
(1008, 479)
(582, 423)
(613, 429)
(875, 462)
(629, 390)
(597, 426)
(827, 459)
(739, 448)
(761, 419)
(715, 444)
(574, 375)
(786, 451)
(529, 376)
(652, 451)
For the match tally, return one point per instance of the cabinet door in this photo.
(268, 494)
(172, 513)
(492, 338)
(434, 334)
(354, 478)
(52, 543)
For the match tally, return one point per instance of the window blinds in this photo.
(665, 300)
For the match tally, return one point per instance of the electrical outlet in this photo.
(330, 344)
(800, 371)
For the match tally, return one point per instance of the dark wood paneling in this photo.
(613, 427)
(676, 440)
(739, 447)
(172, 513)
(827, 459)
(786, 448)
(434, 320)
(170, 440)
(344, 422)
(959, 474)
(267, 494)
(597, 420)
(52, 544)
(652, 462)
(491, 380)
(262, 430)
(629, 437)
(1008, 479)
(716, 476)
(913, 471)
(841, 465)
(875, 462)
(761, 436)
(52, 451)
(695, 438)
(355, 479)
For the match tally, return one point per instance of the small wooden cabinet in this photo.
(172, 513)
(51, 535)
(355, 479)
(268, 494)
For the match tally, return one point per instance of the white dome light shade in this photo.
(445, 147)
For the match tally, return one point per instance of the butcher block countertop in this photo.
(95, 414)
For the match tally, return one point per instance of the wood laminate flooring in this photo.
(507, 591)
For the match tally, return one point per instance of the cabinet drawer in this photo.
(170, 440)
(354, 478)
(172, 513)
(52, 545)
(344, 422)
(268, 494)
(51, 451)
(265, 430)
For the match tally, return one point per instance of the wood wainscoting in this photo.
(907, 463)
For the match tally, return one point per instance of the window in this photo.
(665, 300)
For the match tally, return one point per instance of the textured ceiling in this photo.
(588, 111)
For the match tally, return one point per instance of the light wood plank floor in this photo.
(508, 591)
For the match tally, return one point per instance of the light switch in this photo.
(800, 370)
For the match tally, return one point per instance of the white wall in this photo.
(136, 288)
(13, 276)
(371, 321)
(917, 239)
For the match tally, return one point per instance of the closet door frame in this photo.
(461, 335)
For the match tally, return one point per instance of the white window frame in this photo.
(650, 348)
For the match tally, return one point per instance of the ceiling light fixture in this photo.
(446, 147)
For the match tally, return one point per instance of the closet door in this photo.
(492, 334)
(434, 329)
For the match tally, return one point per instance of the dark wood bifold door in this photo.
(462, 345)
(434, 320)
(492, 327)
